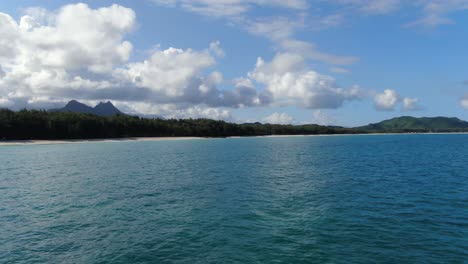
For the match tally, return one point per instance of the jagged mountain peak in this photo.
(101, 109)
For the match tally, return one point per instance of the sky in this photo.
(329, 62)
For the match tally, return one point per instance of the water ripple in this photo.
(349, 199)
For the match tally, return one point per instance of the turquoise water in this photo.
(340, 199)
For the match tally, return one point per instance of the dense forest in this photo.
(39, 124)
(421, 124)
(35, 124)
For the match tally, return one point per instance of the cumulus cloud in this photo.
(177, 76)
(279, 118)
(95, 45)
(389, 99)
(176, 110)
(410, 104)
(76, 52)
(464, 102)
(55, 54)
(41, 61)
(169, 73)
(8, 42)
(290, 82)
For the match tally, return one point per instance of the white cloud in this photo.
(170, 3)
(169, 72)
(436, 12)
(309, 51)
(38, 16)
(290, 82)
(202, 112)
(279, 29)
(327, 21)
(80, 38)
(371, 6)
(279, 118)
(82, 53)
(62, 54)
(387, 100)
(275, 28)
(319, 117)
(230, 8)
(380, 6)
(464, 102)
(410, 104)
(178, 76)
(215, 47)
(5, 103)
(177, 110)
(10, 36)
(339, 70)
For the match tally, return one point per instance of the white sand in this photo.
(48, 142)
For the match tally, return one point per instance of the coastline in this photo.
(72, 141)
(129, 139)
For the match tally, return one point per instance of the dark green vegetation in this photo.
(34, 124)
(423, 124)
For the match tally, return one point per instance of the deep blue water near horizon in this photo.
(339, 199)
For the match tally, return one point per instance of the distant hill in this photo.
(106, 109)
(409, 123)
(102, 109)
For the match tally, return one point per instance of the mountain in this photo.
(102, 109)
(76, 107)
(106, 109)
(409, 123)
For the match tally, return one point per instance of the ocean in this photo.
(311, 199)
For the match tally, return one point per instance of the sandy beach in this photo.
(110, 140)
(71, 141)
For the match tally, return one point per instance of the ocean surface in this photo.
(330, 199)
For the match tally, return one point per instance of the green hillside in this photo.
(422, 124)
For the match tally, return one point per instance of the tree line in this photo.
(40, 124)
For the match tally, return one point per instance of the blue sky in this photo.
(343, 62)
